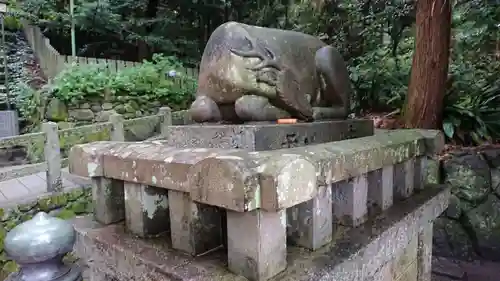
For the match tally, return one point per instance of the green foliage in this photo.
(148, 81)
(472, 104)
(376, 38)
(31, 104)
(380, 68)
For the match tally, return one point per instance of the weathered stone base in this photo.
(396, 246)
(264, 135)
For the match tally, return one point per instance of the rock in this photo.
(103, 116)
(495, 181)
(469, 176)
(82, 114)
(107, 106)
(56, 110)
(120, 109)
(493, 156)
(451, 240)
(85, 105)
(65, 125)
(96, 107)
(484, 222)
(140, 133)
(454, 210)
(130, 108)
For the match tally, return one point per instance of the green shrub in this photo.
(148, 81)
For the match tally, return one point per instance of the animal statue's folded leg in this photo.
(204, 109)
(336, 91)
(326, 113)
(258, 108)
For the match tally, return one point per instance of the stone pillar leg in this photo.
(256, 243)
(418, 175)
(195, 228)
(146, 209)
(381, 188)
(108, 200)
(310, 223)
(350, 201)
(404, 179)
(424, 254)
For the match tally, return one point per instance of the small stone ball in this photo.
(40, 239)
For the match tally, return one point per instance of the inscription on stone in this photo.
(9, 123)
(296, 140)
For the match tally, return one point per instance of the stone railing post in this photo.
(52, 151)
(117, 131)
(38, 247)
(166, 119)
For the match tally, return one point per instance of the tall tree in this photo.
(424, 104)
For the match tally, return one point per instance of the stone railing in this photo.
(47, 150)
(300, 195)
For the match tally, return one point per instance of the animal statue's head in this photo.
(261, 66)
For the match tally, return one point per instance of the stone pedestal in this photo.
(394, 248)
(258, 136)
(270, 205)
(266, 136)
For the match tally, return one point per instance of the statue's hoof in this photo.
(251, 108)
(257, 108)
(204, 109)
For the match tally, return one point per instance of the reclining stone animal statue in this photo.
(251, 73)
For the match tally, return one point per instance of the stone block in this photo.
(380, 189)
(256, 243)
(404, 179)
(383, 274)
(430, 170)
(249, 181)
(350, 201)
(195, 228)
(434, 141)
(408, 256)
(358, 253)
(153, 164)
(310, 224)
(418, 173)
(266, 136)
(424, 253)
(108, 199)
(146, 209)
(85, 160)
(409, 274)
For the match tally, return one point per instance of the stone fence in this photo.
(303, 195)
(48, 149)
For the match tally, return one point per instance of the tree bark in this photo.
(424, 104)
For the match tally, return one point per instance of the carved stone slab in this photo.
(266, 136)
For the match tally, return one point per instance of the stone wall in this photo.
(100, 110)
(470, 227)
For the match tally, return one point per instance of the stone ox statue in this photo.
(251, 73)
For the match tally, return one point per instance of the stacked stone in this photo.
(308, 196)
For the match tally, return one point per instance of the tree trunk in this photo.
(424, 104)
